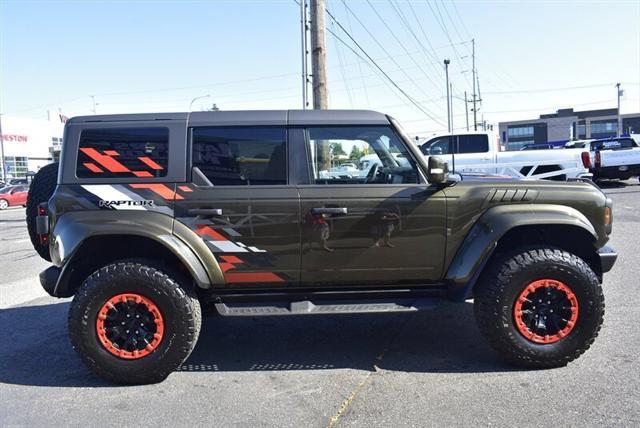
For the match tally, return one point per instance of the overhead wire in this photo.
(443, 26)
(427, 113)
(395, 37)
(375, 39)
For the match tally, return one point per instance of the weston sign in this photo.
(14, 137)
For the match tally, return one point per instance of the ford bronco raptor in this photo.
(151, 218)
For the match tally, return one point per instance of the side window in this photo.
(436, 147)
(473, 144)
(241, 156)
(359, 155)
(123, 152)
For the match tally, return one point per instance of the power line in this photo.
(566, 88)
(375, 64)
(443, 26)
(379, 45)
(366, 92)
(431, 56)
(393, 34)
(464, 27)
(342, 69)
(455, 28)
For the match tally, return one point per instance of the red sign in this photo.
(14, 137)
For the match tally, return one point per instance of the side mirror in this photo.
(437, 170)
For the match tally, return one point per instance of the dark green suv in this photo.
(155, 217)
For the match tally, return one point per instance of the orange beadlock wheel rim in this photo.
(546, 311)
(130, 326)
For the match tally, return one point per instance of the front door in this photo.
(368, 216)
(241, 204)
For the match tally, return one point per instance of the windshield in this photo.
(6, 189)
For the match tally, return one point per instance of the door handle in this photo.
(205, 211)
(334, 211)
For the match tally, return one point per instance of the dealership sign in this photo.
(14, 137)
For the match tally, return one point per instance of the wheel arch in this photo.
(84, 242)
(509, 226)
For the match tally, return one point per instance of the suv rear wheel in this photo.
(132, 323)
(540, 308)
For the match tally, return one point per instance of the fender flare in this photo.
(74, 228)
(481, 241)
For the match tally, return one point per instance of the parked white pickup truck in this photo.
(481, 152)
(614, 158)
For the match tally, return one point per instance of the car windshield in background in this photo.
(6, 189)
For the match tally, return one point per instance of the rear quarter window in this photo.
(123, 152)
(473, 144)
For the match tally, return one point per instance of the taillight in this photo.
(586, 160)
(598, 160)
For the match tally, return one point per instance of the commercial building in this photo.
(565, 125)
(28, 144)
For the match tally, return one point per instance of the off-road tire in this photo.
(503, 281)
(176, 301)
(42, 187)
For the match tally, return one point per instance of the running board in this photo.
(307, 307)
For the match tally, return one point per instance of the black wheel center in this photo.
(546, 311)
(130, 326)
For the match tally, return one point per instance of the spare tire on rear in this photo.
(41, 188)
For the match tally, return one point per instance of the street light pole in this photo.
(446, 71)
(619, 130)
(196, 99)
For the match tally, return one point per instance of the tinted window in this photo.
(623, 143)
(359, 155)
(123, 152)
(466, 144)
(437, 146)
(241, 156)
(473, 144)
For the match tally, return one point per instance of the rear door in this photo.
(380, 224)
(241, 204)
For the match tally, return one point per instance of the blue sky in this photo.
(532, 57)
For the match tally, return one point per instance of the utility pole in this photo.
(620, 92)
(473, 71)
(466, 108)
(93, 104)
(318, 54)
(305, 54)
(446, 72)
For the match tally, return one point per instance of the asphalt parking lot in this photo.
(428, 368)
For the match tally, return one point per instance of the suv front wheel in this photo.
(540, 307)
(131, 323)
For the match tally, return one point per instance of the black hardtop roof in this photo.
(249, 117)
